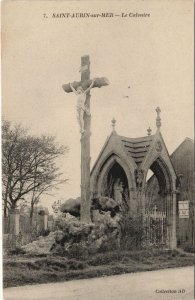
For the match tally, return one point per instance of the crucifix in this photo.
(82, 89)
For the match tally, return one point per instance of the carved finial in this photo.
(113, 124)
(149, 130)
(158, 119)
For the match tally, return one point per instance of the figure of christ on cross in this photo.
(81, 105)
(82, 90)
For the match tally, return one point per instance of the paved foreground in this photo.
(135, 286)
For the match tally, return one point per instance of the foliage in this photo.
(71, 206)
(44, 232)
(132, 232)
(189, 248)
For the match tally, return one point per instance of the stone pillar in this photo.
(14, 228)
(140, 201)
(5, 225)
(174, 217)
(167, 209)
(143, 202)
(45, 221)
(171, 220)
(14, 222)
(132, 202)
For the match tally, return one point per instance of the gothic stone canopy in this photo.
(128, 160)
(134, 154)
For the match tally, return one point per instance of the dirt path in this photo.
(135, 286)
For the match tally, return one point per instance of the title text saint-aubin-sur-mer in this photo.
(101, 15)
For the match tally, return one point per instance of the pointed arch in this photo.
(162, 172)
(106, 165)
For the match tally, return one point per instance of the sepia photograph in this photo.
(97, 150)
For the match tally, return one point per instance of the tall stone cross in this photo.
(85, 136)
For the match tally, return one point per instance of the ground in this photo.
(21, 269)
(135, 286)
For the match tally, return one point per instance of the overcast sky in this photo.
(152, 55)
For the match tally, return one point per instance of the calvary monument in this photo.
(82, 90)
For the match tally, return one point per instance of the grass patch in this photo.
(22, 270)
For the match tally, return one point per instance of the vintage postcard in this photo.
(97, 150)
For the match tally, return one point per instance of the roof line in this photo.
(186, 139)
(101, 151)
(138, 138)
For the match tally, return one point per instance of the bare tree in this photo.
(28, 164)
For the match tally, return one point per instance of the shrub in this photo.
(189, 248)
(17, 251)
(78, 251)
(132, 232)
(44, 232)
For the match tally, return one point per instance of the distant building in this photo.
(183, 162)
